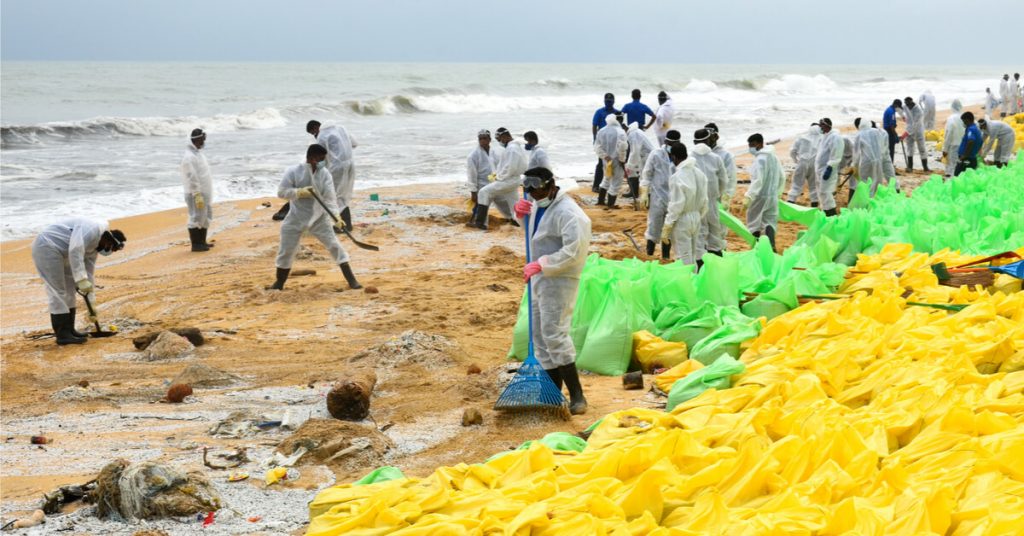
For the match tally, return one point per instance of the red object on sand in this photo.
(209, 520)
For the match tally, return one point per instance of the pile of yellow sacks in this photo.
(863, 415)
(1015, 121)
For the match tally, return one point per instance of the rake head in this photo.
(532, 390)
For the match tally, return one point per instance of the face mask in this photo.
(543, 203)
(321, 165)
(609, 104)
(105, 252)
(752, 150)
(529, 146)
(815, 131)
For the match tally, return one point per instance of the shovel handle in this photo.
(92, 312)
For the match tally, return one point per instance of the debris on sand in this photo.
(168, 345)
(351, 445)
(149, 490)
(473, 369)
(472, 417)
(237, 425)
(349, 399)
(501, 256)
(176, 393)
(193, 335)
(64, 495)
(203, 375)
(371, 290)
(431, 351)
(76, 393)
(633, 380)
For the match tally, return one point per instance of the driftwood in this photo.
(349, 399)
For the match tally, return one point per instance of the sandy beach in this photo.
(449, 292)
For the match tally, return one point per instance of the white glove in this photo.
(200, 201)
(304, 193)
(645, 197)
(84, 286)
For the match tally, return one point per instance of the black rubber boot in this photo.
(666, 251)
(719, 253)
(472, 216)
(849, 196)
(634, 187)
(480, 218)
(197, 243)
(280, 214)
(598, 176)
(346, 271)
(770, 233)
(830, 212)
(577, 402)
(910, 164)
(62, 328)
(757, 234)
(282, 276)
(202, 237)
(650, 247)
(74, 314)
(700, 264)
(924, 165)
(346, 216)
(611, 202)
(556, 376)
(814, 204)
(601, 196)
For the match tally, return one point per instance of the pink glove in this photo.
(522, 208)
(531, 270)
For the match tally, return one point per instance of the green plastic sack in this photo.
(778, 301)
(680, 324)
(862, 196)
(717, 375)
(380, 474)
(724, 340)
(805, 216)
(718, 281)
(521, 333)
(560, 441)
(609, 342)
(735, 225)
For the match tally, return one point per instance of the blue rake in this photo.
(531, 389)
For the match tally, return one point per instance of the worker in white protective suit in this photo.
(640, 148)
(914, 134)
(803, 151)
(508, 175)
(611, 146)
(998, 134)
(728, 159)
(687, 204)
(1015, 93)
(195, 173)
(1005, 97)
(339, 144)
(826, 166)
(712, 232)
(538, 155)
(559, 245)
(654, 192)
(951, 139)
(871, 147)
(766, 181)
(302, 185)
(663, 117)
(991, 103)
(927, 103)
(65, 257)
(479, 166)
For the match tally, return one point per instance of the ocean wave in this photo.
(456, 103)
(113, 127)
(553, 82)
(798, 83)
(743, 83)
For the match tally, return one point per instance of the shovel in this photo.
(629, 235)
(358, 244)
(99, 333)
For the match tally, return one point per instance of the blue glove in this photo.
(828, 173)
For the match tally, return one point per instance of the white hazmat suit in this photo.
(611, 146)
(479, 168)
(687, 204)
(640, 148)
(953, 136)
(65, 253)
(195, 173)
(712, 232)
(503, 192)
(730, 170)
(991, 103)
(1014, 96)
(803, 151)
(915, 133)
(339, 145)
(655, 178)
(766, 181)
(560, 243)
(663, 120)
(538, 158)
(307, 215)
(830, 154)
(927, 104)
(1005, 96)
(871, 155)
(1000, 135)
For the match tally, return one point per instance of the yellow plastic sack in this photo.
(665, 380)
(653, 352)
(864, 415)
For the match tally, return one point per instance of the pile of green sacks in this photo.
(979, 212)
(618, 298)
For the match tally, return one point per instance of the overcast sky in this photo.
(648, 31)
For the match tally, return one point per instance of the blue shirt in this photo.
(635, 112)
(600, 114)
(536, 222)
(973, 133)
(889, 118)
